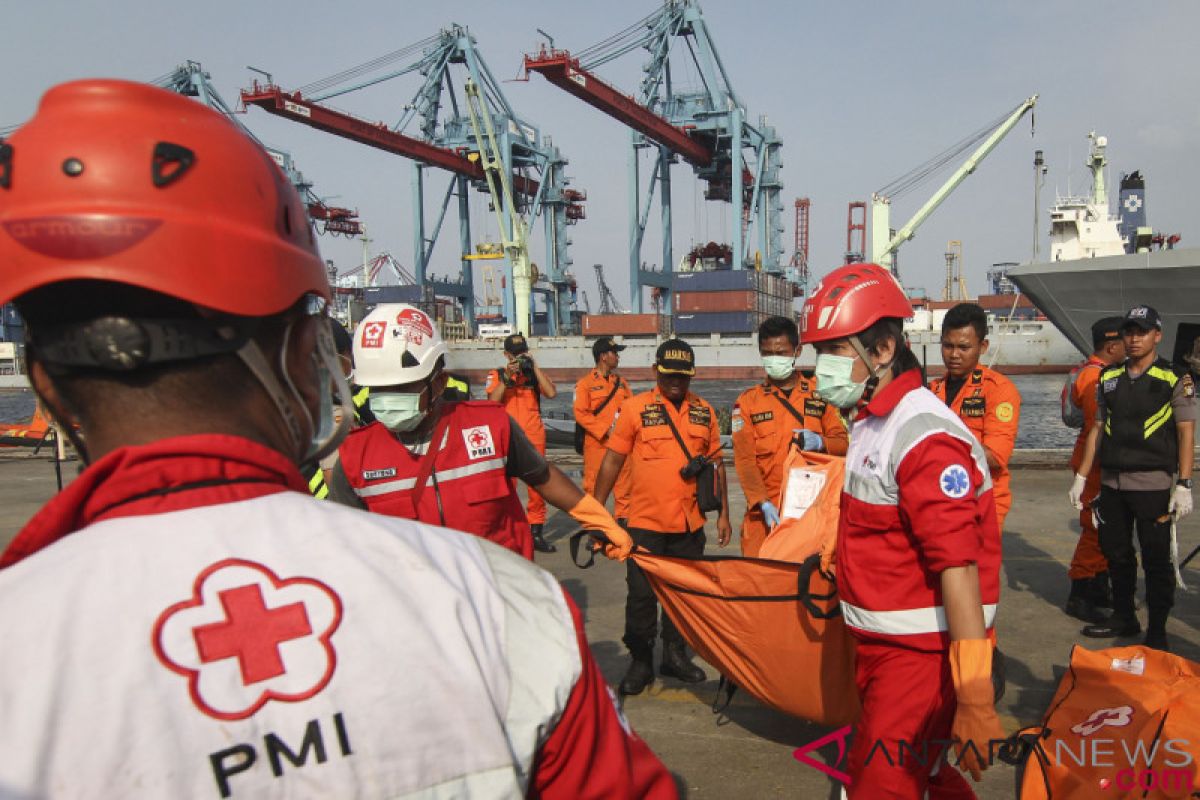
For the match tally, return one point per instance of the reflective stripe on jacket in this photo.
(917, 501)
(1139, 422)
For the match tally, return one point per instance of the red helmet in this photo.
(849, 300)
(120, 181)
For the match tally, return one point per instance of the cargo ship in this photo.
(1102, 264)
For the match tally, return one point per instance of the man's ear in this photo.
(48, 395)
(983, 346)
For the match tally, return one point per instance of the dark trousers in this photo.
(641, 606)
(1118, 512)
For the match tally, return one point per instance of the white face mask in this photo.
(399, 412)
(779, 367)
(834, 383)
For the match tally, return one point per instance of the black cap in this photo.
(1107, 329)
(675, 357)
(1143, 317)
(515, 343)
(606, 345)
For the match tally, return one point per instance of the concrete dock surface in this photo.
(747, 751)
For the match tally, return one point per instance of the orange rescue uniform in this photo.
(990, 405)
(523, 402)
(660, 499)
(1088, 560)
(762, 432)
(590, 393)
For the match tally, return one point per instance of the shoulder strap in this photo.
(799, 417)
(608, 399)
(686, 453)
(426, 468)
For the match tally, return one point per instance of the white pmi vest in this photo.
(278, 647)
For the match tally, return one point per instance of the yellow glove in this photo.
(594, 517)
(975, 721)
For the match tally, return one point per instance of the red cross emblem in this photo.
(478, 439)
(372, 334)
(246, 637)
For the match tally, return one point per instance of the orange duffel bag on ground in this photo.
(1124, 723)
(772, 627)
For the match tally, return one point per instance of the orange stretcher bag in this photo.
(809, 506)
(771, 627)
(1125, 722)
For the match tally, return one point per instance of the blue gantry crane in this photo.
(706, 126)
(442, 137)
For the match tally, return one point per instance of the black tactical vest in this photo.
(1139, 428)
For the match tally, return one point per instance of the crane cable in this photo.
(366, 67)
(922, 173)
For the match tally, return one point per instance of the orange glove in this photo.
(594, 517)
(975, 721)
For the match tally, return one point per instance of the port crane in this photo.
(608, 302)
(740, 162)
(442, 139)
(885, 241)
(190, 80)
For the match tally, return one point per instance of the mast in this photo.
(1097, 161)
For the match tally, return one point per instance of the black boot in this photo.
(1118, 625)
(1156, 631)
(539, 543)
(676, 664)
(1080, 604)
(639, 675)
(1101, 591)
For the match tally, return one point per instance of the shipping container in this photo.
(620, 325)
(743, 300)
(374, 295)
(721, 322)
(719, 281)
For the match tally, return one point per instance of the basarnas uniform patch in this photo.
(1004, 412)
(479, 442)
(699, 415)
(954, 481)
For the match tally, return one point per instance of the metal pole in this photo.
(664, 178)
(1039, 169)
(418, 187)
(635, 238)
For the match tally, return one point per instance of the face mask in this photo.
(833, 381)
(779, 367)
(399, 412)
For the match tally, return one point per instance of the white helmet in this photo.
(396, 343)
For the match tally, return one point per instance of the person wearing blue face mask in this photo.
(766, 418)
(918, 550)
(447, 463)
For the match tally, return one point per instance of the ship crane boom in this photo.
(884, 243)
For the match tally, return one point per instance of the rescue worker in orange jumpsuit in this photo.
(664, 515)
(520, 387)
(598, 398)
(987, 401)
(1090, 590)
(918, 551)
(765, 419)
(446, 463)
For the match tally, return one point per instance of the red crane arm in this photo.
(563, 71)
(275, 101)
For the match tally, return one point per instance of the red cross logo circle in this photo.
(246, 637)
(478, 439)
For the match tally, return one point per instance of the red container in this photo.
(709, 302)
(620, 325)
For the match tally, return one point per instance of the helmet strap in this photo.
(877, 371)
(63, 426)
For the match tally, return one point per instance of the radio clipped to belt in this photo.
(703, 470)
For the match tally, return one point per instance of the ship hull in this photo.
(1074, 294)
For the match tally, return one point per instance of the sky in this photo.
(860, 93)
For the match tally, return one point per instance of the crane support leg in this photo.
(664, 177)
(418, 188)
(736, 198)
(464, 247)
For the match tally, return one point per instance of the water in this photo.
(1041, 419)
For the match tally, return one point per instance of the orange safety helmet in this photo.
(124, 182)
(849, 300)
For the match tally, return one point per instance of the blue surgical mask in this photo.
(779, 367)
(834, 384)
(399, 412)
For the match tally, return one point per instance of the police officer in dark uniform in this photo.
(1146, 417)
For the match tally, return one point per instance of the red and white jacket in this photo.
(185, 621)
(917, 501)
(468, 488)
